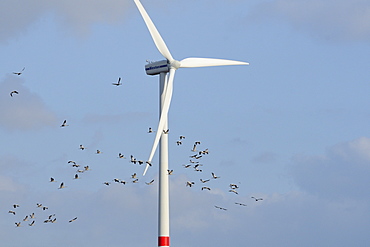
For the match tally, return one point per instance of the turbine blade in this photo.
(161, 45)
(163, 117)
(193, 62)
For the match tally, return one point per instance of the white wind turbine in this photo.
(170, 65)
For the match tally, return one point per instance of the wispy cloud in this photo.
(266, 157)
(23, 111)
(335, 20)
(342, 172)
(78, 15)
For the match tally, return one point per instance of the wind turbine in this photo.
(170, 65)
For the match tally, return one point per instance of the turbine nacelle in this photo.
(163, 66)
(158, 67)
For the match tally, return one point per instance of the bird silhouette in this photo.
(150, 183)
(118, 83)
(19, 73)
(64, 124)
(61, 186)
(233, 191)
(188, 183)
(256, 199)
(75, 218)
(13, 92)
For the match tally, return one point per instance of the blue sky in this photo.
(292, 127)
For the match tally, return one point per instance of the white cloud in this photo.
(77, 15)
(342, 172)
(339, 20)
(8, 184)
(23, 111)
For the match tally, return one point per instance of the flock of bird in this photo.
(30, 219)
(194, 163)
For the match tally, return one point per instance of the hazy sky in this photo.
(291, 128)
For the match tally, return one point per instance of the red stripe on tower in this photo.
(163, 241)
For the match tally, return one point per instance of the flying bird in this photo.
(19, 73)
(188, 183)
(52, 179)
(13, 92)
(64, 124)
(197, 169)
(118, 83)
(179, 143)
(182, 137)
(106, 183)
(150, 183)
(166, 131)
(17, 224)
(15, 206)
(82, 147)
(204, 181)
(170, 172)
(121, 156)
(234, 186)
(11, 212)
(76, 176)
(75, 218)
(206, 188)
(241, 204)
(220, 208)
(214, 176)
(150, 130)
(61, 186)
(98, 151)
(32, 223)
(256, 199)
(234, 191)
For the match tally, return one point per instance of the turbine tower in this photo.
(166, 70)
